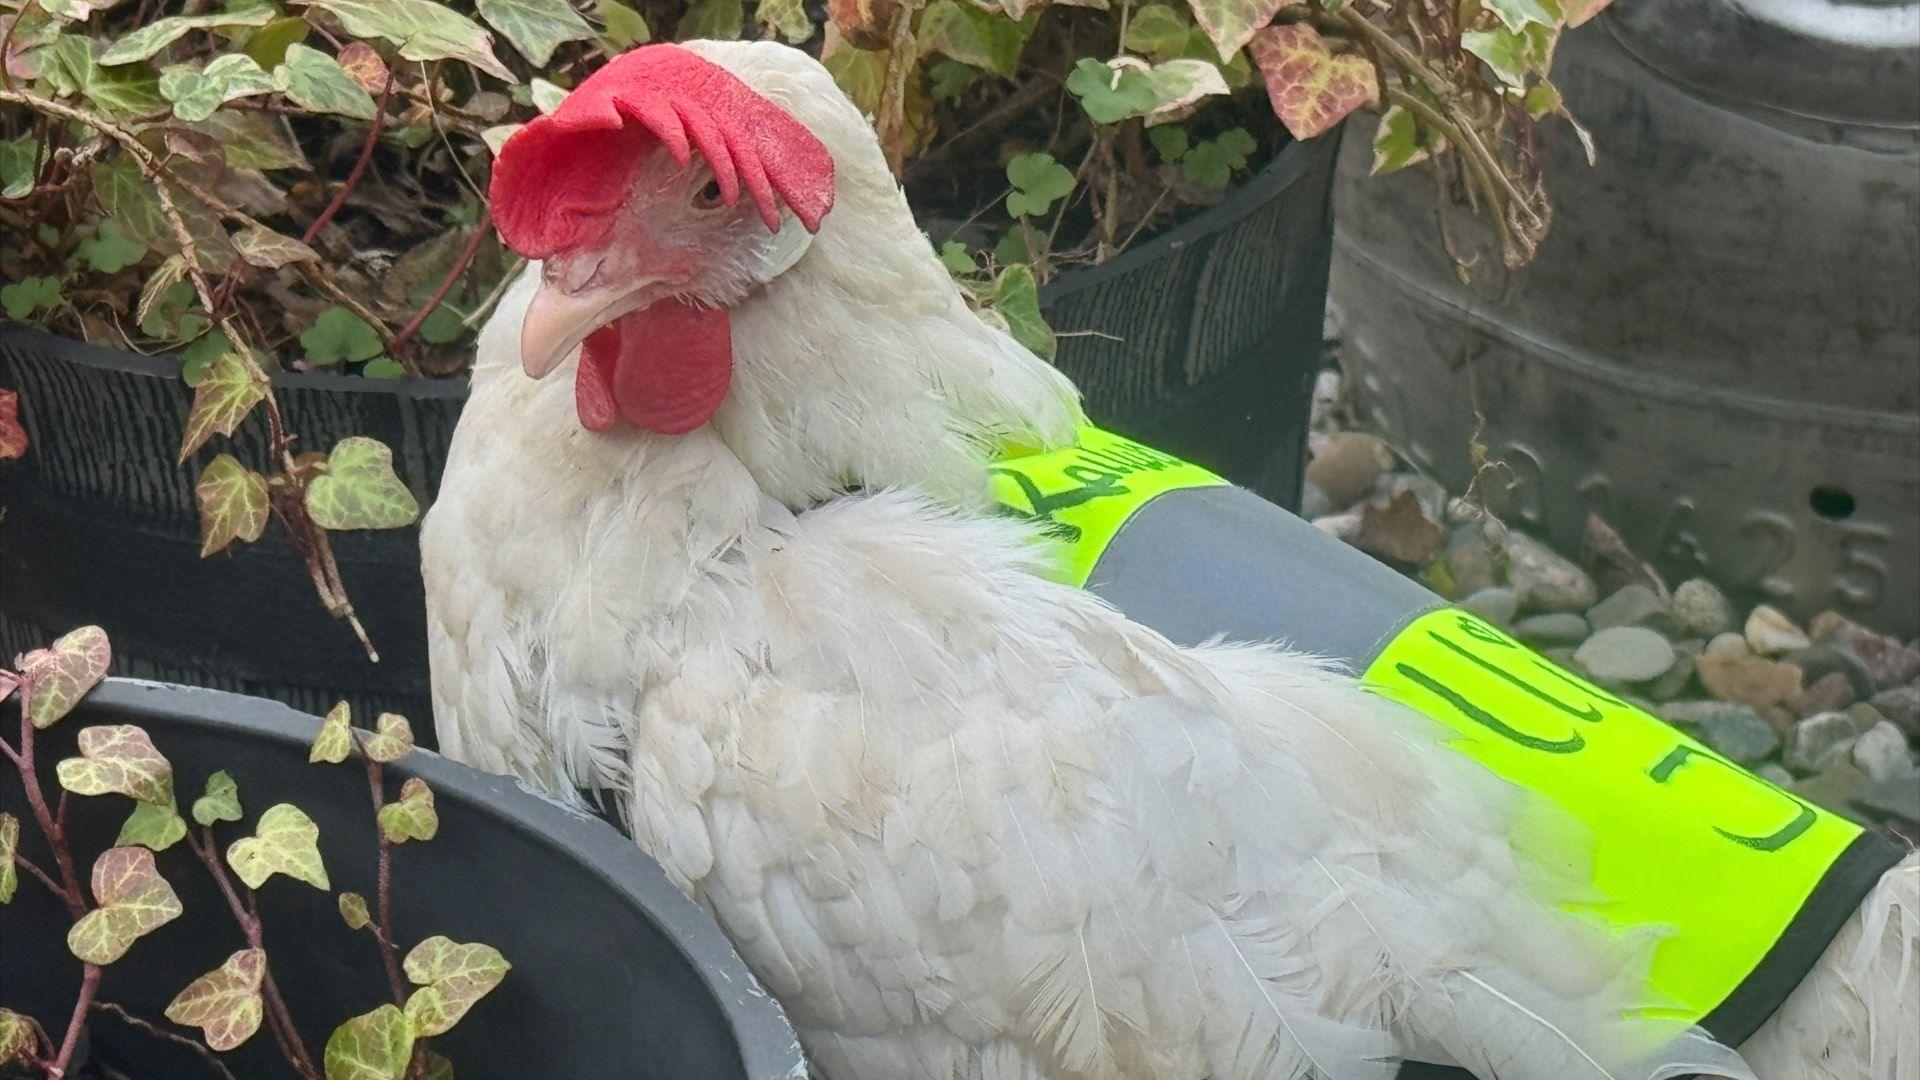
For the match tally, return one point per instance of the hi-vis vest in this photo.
(1751, 881)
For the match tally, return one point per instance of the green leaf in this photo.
(268, 46)
(787, 18)
(1169, 142)
(438, 1068)
(284, 841)
(412, 816)
(57, 677)
(67, 64)
(152, 825)
(948, 79)
(134, 901)
(383, 367)
(625, 27)
(1509, 55)
(224, 396)
(28, 295)
(129, 199)
(334, 741)
(109, 250)
(118, 759)
(200, 354)
(164, 298)
(1012, 248)
(353, 911)
(496, 137)
(1157, 32)
(545, 96)
(1016, 296)
(233, 504)
(17, 1040)
(442, 326)
(315, 81)
(1397, 142)
(339, 335)
(1516, 14)
(421, 29)
(1542, 98)
(358, 490)
(221, 802)
(126, 93)
(1213, 163)
(963, 32)
(1178, 84)
(1230, 24)
(717, 20)
(452, 977)
(1310, 87)
(954, 256)
(392, 738)
(9, 873)
(160, 33)
(1110, 95)
(225, 1002)
(261, 246)
(196, 92)
(372, 1046)
(19, 166)
(535, 27)
(1038, 182)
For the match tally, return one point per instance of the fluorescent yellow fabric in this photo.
(1085, 492)
(1683, 838)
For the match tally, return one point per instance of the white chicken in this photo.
(742, 577)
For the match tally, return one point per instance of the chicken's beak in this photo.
(557, 321)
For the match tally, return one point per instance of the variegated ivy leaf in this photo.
(535, 27)
(372, 1046)
(392, 738)
(313, 80)
(353, 911)
(358, 489)
(422, 29)
(1178, 85)
(197, 91)
(334, 741)
(1512, 55)
(1108, 94)
(451, 977)
(1310, 87)
(788, 18)
(134, 901)
(17, 1041)
(9, 873)
(225, 1002)
(118, 759)
(1399, 142)
(982, 39)
(546, 96)
(233, 504)
(284, 841)
(1579, 11)
(1230, 24)
(58, 676)
(160, 33)
(155, 826)
(411, 817)
(496, 136)
(228, 390)
(1516, 14)
(261, 246)
(221, 801)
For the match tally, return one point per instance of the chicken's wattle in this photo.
(664, 368)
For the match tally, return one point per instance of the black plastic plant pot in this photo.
(1204, 341)
(615, 973)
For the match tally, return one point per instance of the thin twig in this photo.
(383, 892)
(158, 1032)
(458, 268)
(247, 916)
(359, 166)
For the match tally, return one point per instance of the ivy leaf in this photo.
(363, 65)
(358, 490)
(1016, 296)
(1038, 182)
(412, 816)
(143, 42)
(392, 738)
(421, 29)
(1230, 24)
(1178, 84)
(954, 256)
(1157, 32)
(452, 977)
(1516, 14)
(196, 92)
(261, 246)
(438, 1068)
(284, 841)
(1169, 142)
(625, 27)
(157, 826)
(268, 46)
(9, 873)
(28, 295)
(983, 39)
(109, 250)
(225, 1002)
(383, 367)
(1579, 11)
(1510, 55)
(353, 911)
(441, 326)
(1311, 89)
(317, 82)
(19, 166)
(372, 1046)
(126, 93)
(221, 802)
(546, 96)
(535, 27)
(717, 20)
(118, 759)
(134, 901)
(164, 297)
(1397, 142)
(128, 198)
(17, 1040)
(58, 676)
(787, 18)
(496, 137)
(1542, 98)
(225, 394)
(335, 739)
(233, 504)
(1110, 95)
(13, 435)
(339, 335)
(1213, 163)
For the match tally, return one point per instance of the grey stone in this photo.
(1632, 605)
(1472, 558)
(1864, 717)
(1823, 658)
(1625, 654)
(1895, 799)
(1837, 788)
(1543, 579)
(1827, 693)
(1700, 609)
(1727, 644)
(1347, 465)
(1902, 706)
(1553, 628)
(1691, 713)
(1774, 773)
(1882, 753)
(1740, 733)
(1564, 655)
(1676, 682)
(1770, 633)
(1819, 742)
(1496, 605)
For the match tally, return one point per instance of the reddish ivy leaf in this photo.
(233, 504)
(225, 1002)
(13, 436)
(1311, 88)
(134, 901)
(58, 676)
(1230, 24)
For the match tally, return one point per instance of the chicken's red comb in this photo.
(557, 174)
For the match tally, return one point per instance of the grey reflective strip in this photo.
(1221, 561)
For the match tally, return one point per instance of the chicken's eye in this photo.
(708, 196)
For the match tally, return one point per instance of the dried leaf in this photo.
(372, 1046)
(359, 490)
(392, 738)
(866, 25)
(535, 27)
(412, 816)
(284, 841)
(58, 676)
(334, 741)
(118, 759)
(1311, 88)
(261, 246)
(225, 1002)
(9, 873)
(156, 826)
(13, 434)
(452, 977)
(353, 911)
(134, 901)
(1400, 531)
(316, 81)
(227, 391)
(421, 29)
(221, 801)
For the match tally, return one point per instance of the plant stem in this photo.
(460, 264)
(246, 914)
(159, 1032)
(383, 893)
(359, 166)
(69, 892)
(89, 985)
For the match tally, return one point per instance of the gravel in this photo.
(1553, 628)
(1819, 742)
(1625, 654)
(1700, 609)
